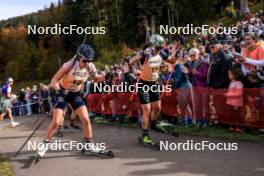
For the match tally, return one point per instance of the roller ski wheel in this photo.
(151, 145)
(102, 153)
(110, 154)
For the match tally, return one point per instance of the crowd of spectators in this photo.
(217, 77)
(35, 100)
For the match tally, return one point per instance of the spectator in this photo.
(184, 98)
(165, 73)
(44, 98)
(198, 75)
(217, 77)
(253, 50)
(203, 53)
(35, 97)
(23, 102)
(15, 106)
(234, 99)
(28, 101)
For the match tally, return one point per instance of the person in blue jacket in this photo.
(183, 86)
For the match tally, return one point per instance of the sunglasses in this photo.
(192, 55)
(85, 61)
(211, 47)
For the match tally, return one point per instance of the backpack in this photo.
(4, 89)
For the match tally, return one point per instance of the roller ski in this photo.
(146, 141)
(96, 151)
(41, 151)
(166, 128)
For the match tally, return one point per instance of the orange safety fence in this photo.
(250, 114)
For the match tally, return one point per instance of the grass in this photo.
(5, 166)
(215, 132)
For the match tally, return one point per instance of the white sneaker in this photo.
(42, 149)
(14, 124)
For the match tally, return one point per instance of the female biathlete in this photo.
(68, 83)
(151, 59)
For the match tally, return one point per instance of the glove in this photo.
(164, 54)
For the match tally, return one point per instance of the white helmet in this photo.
(10, 80)
(157, 40)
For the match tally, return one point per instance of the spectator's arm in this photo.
(261, 52)
(255, 62)
(179, 77)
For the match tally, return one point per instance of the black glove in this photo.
(164, 54)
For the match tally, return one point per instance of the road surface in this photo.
(131, 158)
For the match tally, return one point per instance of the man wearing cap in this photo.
(220, 63)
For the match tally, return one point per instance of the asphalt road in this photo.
(131, 158)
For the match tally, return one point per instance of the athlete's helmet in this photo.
(85, 51)
(10, 80)
(157, 40)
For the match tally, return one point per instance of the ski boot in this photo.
(91, 148)
(146, 141)
(42, 150)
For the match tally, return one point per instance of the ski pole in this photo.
(167, 82)
(30, 137)
(38, 126)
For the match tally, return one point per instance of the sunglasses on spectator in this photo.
(211, 47)
(192, 55)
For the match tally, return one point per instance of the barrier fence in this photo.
(19, 108)
(206, 104)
